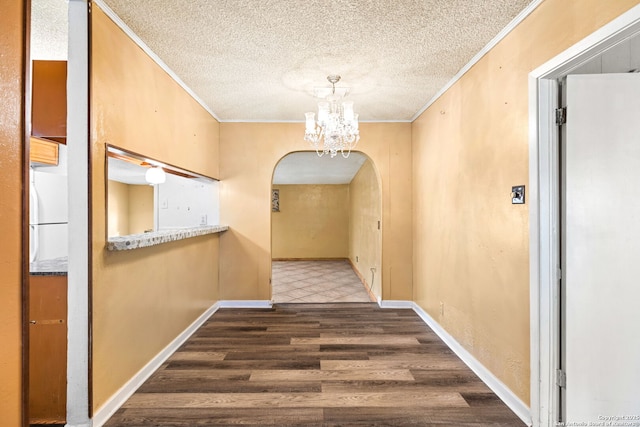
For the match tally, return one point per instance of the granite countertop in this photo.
(143, 240)
(49, 267)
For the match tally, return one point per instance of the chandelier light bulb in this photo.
(311, 122)
(347, 108)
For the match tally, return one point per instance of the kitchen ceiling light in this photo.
(337, 125)
(155, 175)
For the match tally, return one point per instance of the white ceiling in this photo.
(261, 60)
(49, 23)
(126, 172)
(307, 168)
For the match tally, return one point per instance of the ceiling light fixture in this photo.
(155, 175)
(337, 125)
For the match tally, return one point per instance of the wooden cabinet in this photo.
(47, 349)
(43, 151)
(49, 100)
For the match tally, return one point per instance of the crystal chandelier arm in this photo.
(336, 128)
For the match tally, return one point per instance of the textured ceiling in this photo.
(261, 60)
(49, 23)
(307, 168)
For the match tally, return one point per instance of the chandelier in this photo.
(337, 125)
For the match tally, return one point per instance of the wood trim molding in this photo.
(25, 130)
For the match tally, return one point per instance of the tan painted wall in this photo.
(12, 25)
(118, 208)
(140, 208)
(364, 236)
(471, 245)
(313, 222)
(249, 153)
(130, 208)
(142, 299)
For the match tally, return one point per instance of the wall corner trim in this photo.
(498, 387)
(107, 410)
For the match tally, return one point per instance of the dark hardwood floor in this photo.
(349, 364)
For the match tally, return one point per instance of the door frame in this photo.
(544, 218)
(79, 365)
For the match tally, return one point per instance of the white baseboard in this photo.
(107, 410)
(395, 304)
(498, 387)
(245, 304)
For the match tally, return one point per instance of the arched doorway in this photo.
(326, 237)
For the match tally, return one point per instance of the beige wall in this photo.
(140, 208)
(12, 25)
(364, 237)
(313, 222)
(130, 208)
(471, 245)
(118, 208)
(249, 153)
(142, 299)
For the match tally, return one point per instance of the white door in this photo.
(601, 268)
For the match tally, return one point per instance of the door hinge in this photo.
(561, 378)
(561, 116)
(559, 274)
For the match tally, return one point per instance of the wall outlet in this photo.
(203, 220)
(164, 204)
(356, 258)
(441, 308)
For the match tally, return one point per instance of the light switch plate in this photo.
(517, 195)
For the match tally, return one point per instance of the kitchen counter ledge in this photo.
(49, 267)
(153, 238)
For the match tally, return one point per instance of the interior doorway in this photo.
(56, 302)
(615, 48)
(326, 237)
(48, 213)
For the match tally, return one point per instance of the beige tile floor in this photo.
(316, 282)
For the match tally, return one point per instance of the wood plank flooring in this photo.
(349, 364)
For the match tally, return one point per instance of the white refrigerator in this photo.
(48, 213)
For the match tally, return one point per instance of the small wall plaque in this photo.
(517, 195)
(275, 200)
